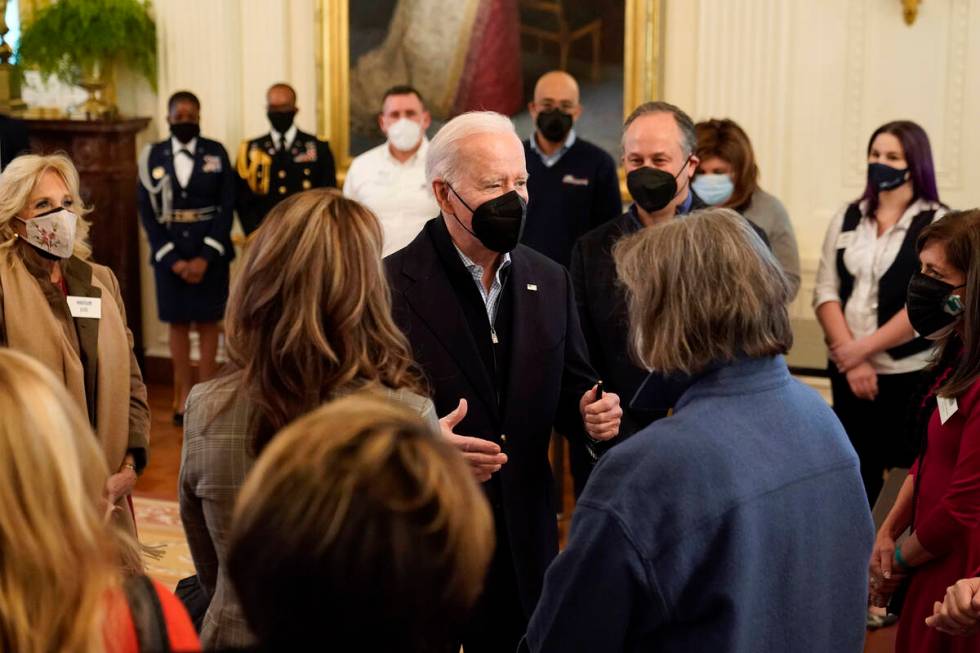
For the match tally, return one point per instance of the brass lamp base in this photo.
(10, 102)
(94, 81)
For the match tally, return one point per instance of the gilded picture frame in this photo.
(642, 66)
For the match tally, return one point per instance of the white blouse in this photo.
(867, 257)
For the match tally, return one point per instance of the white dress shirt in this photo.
(867, 256)
(396, 192)
(287, 138)
(183, 164)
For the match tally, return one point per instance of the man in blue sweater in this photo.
(572, 183)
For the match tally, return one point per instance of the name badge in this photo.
(947, 408)
(90, 307)
(845, 239)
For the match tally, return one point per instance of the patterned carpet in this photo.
(159, 527)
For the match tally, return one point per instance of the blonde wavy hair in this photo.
(368, 523)
(57, 558)
(309, 316)
(18, 182)
(702, 289)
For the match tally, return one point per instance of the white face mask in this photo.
(53, 232)
(404, 134)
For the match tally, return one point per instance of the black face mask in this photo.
(652, 188)
(497, 223)
(933, 308)
(185, 132)
(554, 125)
(281, 121)
(884, 177)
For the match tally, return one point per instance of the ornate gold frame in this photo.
(642, 66)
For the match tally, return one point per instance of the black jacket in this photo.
(548, 373)
(267, 176)
(603, 313)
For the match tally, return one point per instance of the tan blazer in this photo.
(214, 461)
(98, 359)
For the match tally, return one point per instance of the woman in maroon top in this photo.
(941, 496)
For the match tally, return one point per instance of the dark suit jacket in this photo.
(603, 313)
(266, 177)
(549, 372)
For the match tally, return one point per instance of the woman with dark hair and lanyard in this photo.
(940, 499)
(876, 358)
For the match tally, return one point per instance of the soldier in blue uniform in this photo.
(283, 162)
(186, 199)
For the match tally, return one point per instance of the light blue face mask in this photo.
(713, 189)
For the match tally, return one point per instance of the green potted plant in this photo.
(79, 41)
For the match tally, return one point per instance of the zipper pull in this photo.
(493, 336)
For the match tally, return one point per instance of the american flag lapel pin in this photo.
(533, 287)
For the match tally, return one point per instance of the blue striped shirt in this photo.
(491, 299)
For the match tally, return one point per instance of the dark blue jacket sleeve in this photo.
(577, 376)
(162, 251)
(597, 595)
(217, 243)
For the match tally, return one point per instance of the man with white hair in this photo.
(494, 326)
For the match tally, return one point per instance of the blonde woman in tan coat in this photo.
(65, 311)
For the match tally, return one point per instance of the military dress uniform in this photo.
(186, 222)
(273, 167)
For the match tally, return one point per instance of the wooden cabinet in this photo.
(105, 155)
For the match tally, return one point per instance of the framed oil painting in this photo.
(464, 55)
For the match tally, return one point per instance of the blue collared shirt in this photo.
(491, 299)
(682, 209)
(551, 159)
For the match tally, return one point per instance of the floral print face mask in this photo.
(53, 232)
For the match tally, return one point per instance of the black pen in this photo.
(598, 390)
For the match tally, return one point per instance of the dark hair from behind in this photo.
(360, 525)
(402, 89)
(182, 96)
(959, 232)
(723, 138)
(918, 155)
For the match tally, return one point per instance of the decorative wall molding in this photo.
(743, 59)
(946, 142)
(855, 159)
(950, 169)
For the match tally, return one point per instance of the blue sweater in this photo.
(737, 524)
(572, 197)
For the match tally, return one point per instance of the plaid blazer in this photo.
(214, 462)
